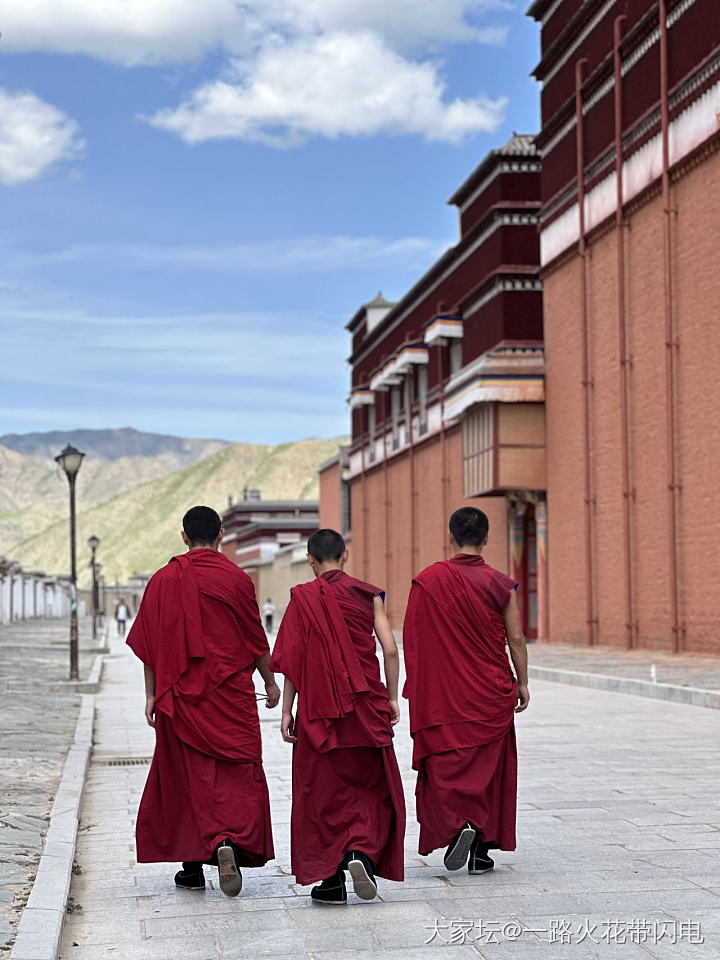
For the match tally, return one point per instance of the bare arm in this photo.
(262, 665)
(391, 659)
(149, 696)
(518, 651)
(287, 724)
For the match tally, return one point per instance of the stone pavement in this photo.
(684, 670)
(38, 724)
(618, 823)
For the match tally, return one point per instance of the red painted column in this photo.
(541, 532)
(518, 566)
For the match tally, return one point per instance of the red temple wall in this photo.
(696, 284)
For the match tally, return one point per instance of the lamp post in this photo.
(101, 595)
(70, 460)
(94, 543)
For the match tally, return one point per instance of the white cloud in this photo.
(315, 254)
(170, 31)
(329, 85)
(402, 23)
(301, 68)
(123, 31)
(34, 135)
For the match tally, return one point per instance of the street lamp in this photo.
(94, 543)
(70, 460)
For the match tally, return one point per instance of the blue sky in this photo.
(196, 197)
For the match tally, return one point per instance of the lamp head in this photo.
(93, 543)
(70, 460)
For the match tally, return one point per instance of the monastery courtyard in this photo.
(618, 850)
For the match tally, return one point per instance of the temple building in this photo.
(557, 367)
(268, 539)
(447, 399)
(629, 239)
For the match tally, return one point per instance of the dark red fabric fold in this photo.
(320, 657)
(347, 790)
(462, 697)
(460, 687)
(199, 630)
(198, 626)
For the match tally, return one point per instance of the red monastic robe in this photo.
(199, 630)
(462, 696)
(347, 792)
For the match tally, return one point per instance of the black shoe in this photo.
(456, 855)
(228, 869)
(363, 876)
(331, 890)
(479, 861)
(192, 879)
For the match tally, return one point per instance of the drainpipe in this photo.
(443, 453)
(413, 494)
(671, 342)
(366, 548)
(625, 362)
(591, 617)
(541, 540)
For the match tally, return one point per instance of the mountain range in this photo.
(132, 490)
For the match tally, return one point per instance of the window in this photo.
(478, 433)
(372, 419)
(395, 403)
(422, 392)
(456, 356)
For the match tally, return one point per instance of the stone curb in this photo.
(641, 688)
(92, 684)
(40, 928)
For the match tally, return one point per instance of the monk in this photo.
(198, 632)
(348, 810)
(463, 698)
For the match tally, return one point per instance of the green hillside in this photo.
(139, 520)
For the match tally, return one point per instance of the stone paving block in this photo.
(52, 883)
(38, 934)
(643, 901)
(226, 924)
(144, 950)
(115, 929)
(547, 904)
(403, 953)
(272, 943)
(206, 903)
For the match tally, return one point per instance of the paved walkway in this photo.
(618, 838)
(38, 725)
(684, 670)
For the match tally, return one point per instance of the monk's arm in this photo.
(287, 724)
(262, 665)
(149, 695)
(518, 651)
(391, 659)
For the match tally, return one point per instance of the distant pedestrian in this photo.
(122, 615)
(268, 612)
(199, 634)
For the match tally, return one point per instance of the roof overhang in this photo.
(442, 328)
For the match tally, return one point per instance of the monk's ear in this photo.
(184, 538)
(484, 543)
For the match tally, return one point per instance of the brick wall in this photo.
(696, 281)
(329, 510)
(381, 551)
